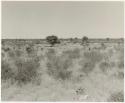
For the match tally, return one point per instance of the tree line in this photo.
(55, 40)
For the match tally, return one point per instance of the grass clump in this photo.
(11, 54)
(104, 66)
(21, 70)
(120, 75)
(87, 67)
(73, 54)
(58, 67)
(93, 56)
(116, 97)
(26, 70)
(6, 71)
(120, 64)
(89, 61)
(18, 53)
(50, 54)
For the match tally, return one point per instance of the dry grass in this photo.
(26, 70)
(72, 54)
(87, 67)
(62, 72)
(120, 64)
(6, 71)
(58, 67)
(93, 56)
(19, 67)
(50, 54)
(104, 67)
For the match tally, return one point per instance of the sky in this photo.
(65, 19)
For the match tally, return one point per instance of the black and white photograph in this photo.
(62, 51)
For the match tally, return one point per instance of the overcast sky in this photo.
(37, 19)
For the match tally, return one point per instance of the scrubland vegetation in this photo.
(74, 72)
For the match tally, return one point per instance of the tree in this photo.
(52, 40)
(85, 40)
(70, 39)
(75, 40)
(107, 39)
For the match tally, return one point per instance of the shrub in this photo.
(52, 40)
(120, 75)
(50, 54)
(107, 39)
(87, 67)
(28, 49)
(112, 64)
(93, 56)
(85, 40)
(6, 71)
(6, 49)
(11, 54)
(74, 54)
(104, 66)
(120, 64)
(26, 70)
(116, 97)
(58, 67)
(3, 55)
(18, 53)
(80, 91)
(103, 45)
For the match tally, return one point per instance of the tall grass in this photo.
(50, 54)
(72, 54)
(58, 66)
(120, 75)
(87, 67)
(120, 64)
(94, 56)
(27, 70)
(6, 71)
(20, 69)
(89, 61)
(104, 66)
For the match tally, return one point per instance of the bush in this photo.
(29, 49)
(50, 54)
(74, 54)
(89, 61)
(85, 40)
(21, 71)
(3, 55)
(116, 97)
(6, 71)
(120, 75)
(104, 66)
(11, 54)
(26, 70)
(52, 40)
(112, 64)
(93, 56)
(120, 64)
(58, 67)
(18, 53)
(103, 46)
(87, 67)
(6, 49)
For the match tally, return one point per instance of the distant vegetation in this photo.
(52, 40)
(68, 66)
(85, 40)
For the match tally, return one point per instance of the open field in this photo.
(34, 71)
